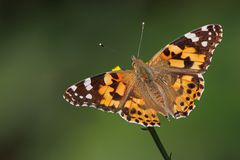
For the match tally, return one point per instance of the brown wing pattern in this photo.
(193, 51)
(105, 91)
(136, 110)
(188, 88)
(185, 60)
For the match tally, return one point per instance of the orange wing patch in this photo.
(113, 90)
(182, 58)
(135, 111)
(104, 91)
(189, 88)
(193, 51)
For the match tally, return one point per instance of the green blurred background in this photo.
(46, 46)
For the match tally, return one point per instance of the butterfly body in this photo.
(168, 84)
(151, 85)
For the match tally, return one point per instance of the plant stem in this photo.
(158, 143)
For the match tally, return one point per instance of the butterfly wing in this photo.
(137, 109)
(104, 91)
(114, 92)
(188, 88)
(184, 61)
(191, 52)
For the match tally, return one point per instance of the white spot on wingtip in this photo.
(75, 94)
(89, 87)
(192, 36)
(84, 104)
(195, 39)
(213, 50)
(204, 28)
(210, 59)
(73, 87)
(87, 81)
(204, 43)
(207, 67)
(214, 29)
(87, 84)
(89, 96)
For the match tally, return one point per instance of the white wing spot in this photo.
(73, 87)
(212, 51)
(84, 104)
(81, 97)
(214, 29)
(87, 82)
(75, 94)
(192, 36)
(89, 87)
(204, 28)
(210, 59)
(209, 38)
(204, 43)
(209, 33)
(89, 96)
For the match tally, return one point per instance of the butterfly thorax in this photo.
(149, 88)
(142, 71)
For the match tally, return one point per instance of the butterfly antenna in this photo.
(140, 41)
(106, 47)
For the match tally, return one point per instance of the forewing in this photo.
(105, 91)
(193, 51)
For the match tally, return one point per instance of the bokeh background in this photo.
(45, 46)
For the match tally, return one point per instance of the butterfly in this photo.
(168, 84)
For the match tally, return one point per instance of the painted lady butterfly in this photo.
(168, 84)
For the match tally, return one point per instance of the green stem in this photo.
(159, 143)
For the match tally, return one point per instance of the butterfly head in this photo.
(136, 62)
(141, 69)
